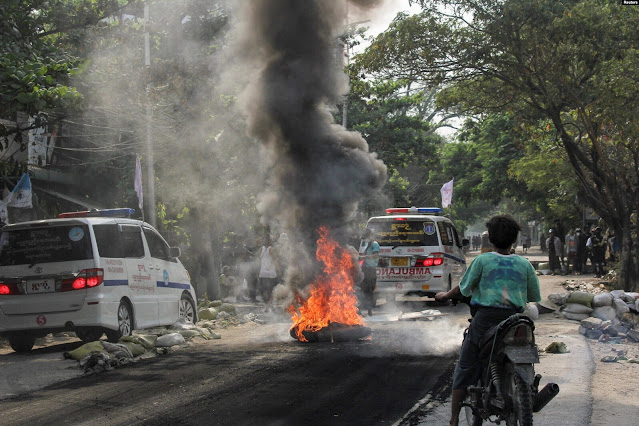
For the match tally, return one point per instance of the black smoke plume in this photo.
(316, 171)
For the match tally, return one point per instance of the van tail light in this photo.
(86, 278)
(520, 335)
(9, 289)
(434, 259)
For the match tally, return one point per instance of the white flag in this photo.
(21, 195)
(138, 181)
(447, 193)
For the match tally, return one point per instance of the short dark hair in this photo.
(502, 231)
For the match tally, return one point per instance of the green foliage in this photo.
(569, 62)
(395, 120)
(35, 65)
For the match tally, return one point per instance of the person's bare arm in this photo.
(454, 293)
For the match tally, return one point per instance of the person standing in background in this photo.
(559, 233)
(267, 278)
(597, 245)
(580, 242)
(571, 251)
(371, 259)
(554, 248)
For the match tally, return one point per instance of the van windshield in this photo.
(45, 244)
(404, 232)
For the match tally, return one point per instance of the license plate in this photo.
(40, 286)
(399, 261)
(425, 287)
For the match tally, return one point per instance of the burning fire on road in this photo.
(330, 312)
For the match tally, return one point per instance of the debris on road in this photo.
(557, 348)
(98, 356)
(610, 317)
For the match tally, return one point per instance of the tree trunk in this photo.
(628, 274)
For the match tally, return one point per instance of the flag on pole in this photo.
(21, 196)
(138, 181)
(447, 193)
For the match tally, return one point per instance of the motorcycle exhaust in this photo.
(544, 396)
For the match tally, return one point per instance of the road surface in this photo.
(258, 375)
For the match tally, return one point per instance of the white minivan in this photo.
(420, 252)
(91, 273)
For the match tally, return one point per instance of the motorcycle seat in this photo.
(512, 320)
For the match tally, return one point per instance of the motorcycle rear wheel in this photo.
(471, 418)
(521, 397)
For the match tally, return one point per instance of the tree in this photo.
(35, 66)
(569, 62)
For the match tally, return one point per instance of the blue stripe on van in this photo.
(456, 259)
(174, 285)
(115, 282)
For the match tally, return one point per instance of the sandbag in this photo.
(617, 293)
(146, 341)
(630, 297)
(581, 297)
(602, 299)
(207, 314)
(135, 348)
(117, 350)
(532, 312)
(620, 307)
(558, 298)
(79, 353)
(591, 323)
(226, 307)
(606, 313)
(215, 303)
(169, 340)
(188, 334)
(577, 308)
(576, 317)
(182, 324)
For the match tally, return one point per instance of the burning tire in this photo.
(335, 332)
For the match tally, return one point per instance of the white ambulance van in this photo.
(420, 252)
(92, 273)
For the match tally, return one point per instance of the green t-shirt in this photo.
(500, 281)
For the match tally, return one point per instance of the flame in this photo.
(332, 296)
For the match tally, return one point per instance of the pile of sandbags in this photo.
(215, 310)
(613, 315)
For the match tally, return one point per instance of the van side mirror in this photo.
(465, 242)
(174, 252)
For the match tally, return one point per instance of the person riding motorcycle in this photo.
(499, 285)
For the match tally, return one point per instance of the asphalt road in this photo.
(260, 380)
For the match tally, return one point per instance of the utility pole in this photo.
(149, 113)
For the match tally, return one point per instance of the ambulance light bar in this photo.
(123, 212)
(414, 210)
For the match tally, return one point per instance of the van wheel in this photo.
(187, 309)
(21, 342)
(89, 334)
(125, 323)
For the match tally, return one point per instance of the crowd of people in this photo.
(569, 253)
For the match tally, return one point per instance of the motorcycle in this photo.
(508, 388)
